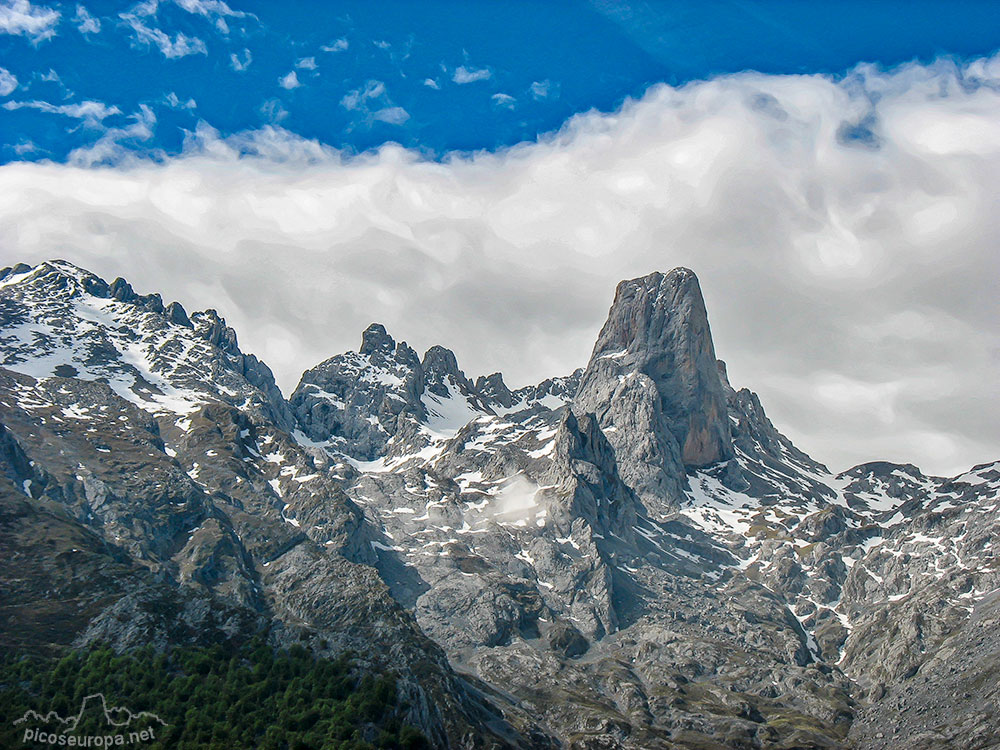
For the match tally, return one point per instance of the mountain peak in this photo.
(643, 307)
(494, 390)
(439, 366)
(654, 357)
(440, 356)
(151, 355)
(64, 278)
(376, 339)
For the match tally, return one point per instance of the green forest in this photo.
(211, 697)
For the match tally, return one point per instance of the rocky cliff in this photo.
(653, 384)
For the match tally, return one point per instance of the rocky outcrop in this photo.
(359, 400)
(653, 384)
(585, 473)
(385, 401)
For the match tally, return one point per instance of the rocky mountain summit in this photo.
(653, 383)
(629, 556)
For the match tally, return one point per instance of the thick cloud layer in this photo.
(846, 234)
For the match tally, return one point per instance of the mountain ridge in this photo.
(630, 556)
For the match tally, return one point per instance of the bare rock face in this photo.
(359, 400)
(384, 401)
(584, 474)
(653, 384)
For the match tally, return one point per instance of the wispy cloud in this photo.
(241, 61)
(86, 23)
(214, 11)
(46, 77)
(432, 84)
(338, 45)
(391, 115)
(357, 98)
(180, 45)
(306, 63)
(93, 111)
(373, 104)
(209, 8)
(273, 111)
(544, 89)
(26, 147)
(21, 18)
(113, 145)
(290, 81)
(504, 100)
(463, 75)
(175, 102)
(8, 82)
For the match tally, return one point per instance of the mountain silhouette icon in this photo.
(95, 707)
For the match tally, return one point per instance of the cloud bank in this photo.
(846, 234)
(21, 18)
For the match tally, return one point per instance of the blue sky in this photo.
(434, 76)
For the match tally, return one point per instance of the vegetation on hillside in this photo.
(210, 697)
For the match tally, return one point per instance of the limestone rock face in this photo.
(653, 383)
(357, 401)
(384, 400)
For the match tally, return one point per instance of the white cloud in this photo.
(357, 98)
(846, 244)
(240, 62)
(86, 23)
(273, 110)
(432, 84)
(306, 63)
(338, 45)
(391, 115)
(113, 147)
(175, 102)
(215, 11)
(86, 110)
(544, 89)
(20, 17)
(372, 104)
(504, 100)
(26, 147)
(290, 81)
(208, 8)
(464, 75)
(180, 45)
(8, 82)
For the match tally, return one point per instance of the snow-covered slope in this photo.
(59, 320)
